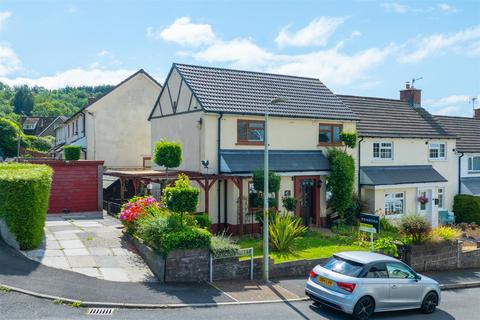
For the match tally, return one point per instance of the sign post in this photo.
(370, 223)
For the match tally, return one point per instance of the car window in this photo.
(345, 267)
(378, 270)
(399, 271)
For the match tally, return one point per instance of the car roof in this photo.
(364, 257)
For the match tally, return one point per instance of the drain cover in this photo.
(100, 311)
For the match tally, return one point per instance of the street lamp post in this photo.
(266, 261)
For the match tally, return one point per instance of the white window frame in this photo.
(29, 126)
(437, 146)
(382, 146)
(470, 166)
(441, 194)
(392, 197)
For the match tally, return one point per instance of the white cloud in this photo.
(395, 7)
(239, 52)
(333, 66)
(317, 33)
(459, 105)
(74, 77)
(446, 8)
(184, 32)
(4, 15)
(103, 53)
(9, 61)
(439, 42)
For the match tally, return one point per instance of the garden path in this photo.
(93, 247)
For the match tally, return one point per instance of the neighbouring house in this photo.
(113, 127)
(218, 117)
(408, 162)
(468, 149)
(41, 126)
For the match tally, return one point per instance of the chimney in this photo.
(91, 100)
(412, 95)
(476, 114)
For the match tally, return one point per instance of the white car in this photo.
(361, 283)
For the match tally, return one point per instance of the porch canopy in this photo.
(472, 184)
(248, 161)
(392, 175)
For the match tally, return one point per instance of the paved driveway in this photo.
(93, 247)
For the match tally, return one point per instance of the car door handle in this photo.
(394, 286)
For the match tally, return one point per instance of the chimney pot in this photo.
(476, 114)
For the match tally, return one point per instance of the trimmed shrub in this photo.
(182, 197)
(42, 144)
(352, 212)
(273, 181)
(283, 231)
(341, 179)
(222, 245)
(466, 208)
(186, 238)
(385, 225)
(349, 139)
(72, 152)
(289, 203)
(446, 233)
(24, 194)
(167, 154)
(9, 133)
(416, 227)
(203, 221)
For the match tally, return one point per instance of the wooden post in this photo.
(122, 189)
(240, 194)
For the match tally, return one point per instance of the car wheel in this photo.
(429, 303)
(364, 308)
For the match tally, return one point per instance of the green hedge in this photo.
(72, 152)
(24, 194)
(466, 208)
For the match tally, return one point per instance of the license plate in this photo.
(325, 281)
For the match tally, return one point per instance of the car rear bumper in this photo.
(330, 298)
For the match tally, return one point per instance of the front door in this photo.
(425, 201)
(307, 201)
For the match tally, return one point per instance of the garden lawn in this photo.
(313, 246)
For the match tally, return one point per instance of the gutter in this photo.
(460, 172)
(219, 127)
(359, 162)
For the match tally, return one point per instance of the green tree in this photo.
(183, 197)
(9, 134)
(341, 179)
(23, 101)
(167, 154)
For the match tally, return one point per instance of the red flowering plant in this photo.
(423, 199)
(135, 209)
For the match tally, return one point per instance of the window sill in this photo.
(382, 160)
(249, 143)
(330, 145)
(438, 160)
(473, 172)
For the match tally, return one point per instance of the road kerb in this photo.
(461, 285)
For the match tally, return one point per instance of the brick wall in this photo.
(187, 265)
(76, 185)
(433, 256)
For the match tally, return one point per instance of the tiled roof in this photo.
(466, 129)
(472, 184)
(245, 92)
(393, 118)
(248, 161)
(391, 175)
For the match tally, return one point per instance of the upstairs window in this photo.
(329, 134)
(250, 132)
(437, 151)
(474, 164)
(383, 150)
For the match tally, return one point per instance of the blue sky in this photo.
(355, 47)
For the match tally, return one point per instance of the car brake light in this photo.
(313, 274)
(346, 286)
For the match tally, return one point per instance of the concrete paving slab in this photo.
(56, 262)
(81, 261)
(254, 291)
(100, 251)
(76, 252)
(107, 262)
(52, 244)
(71, 244)
(65, 236)
(91, 272)
(54, 253)
(114, 274)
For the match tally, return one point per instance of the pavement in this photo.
(93, 247)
